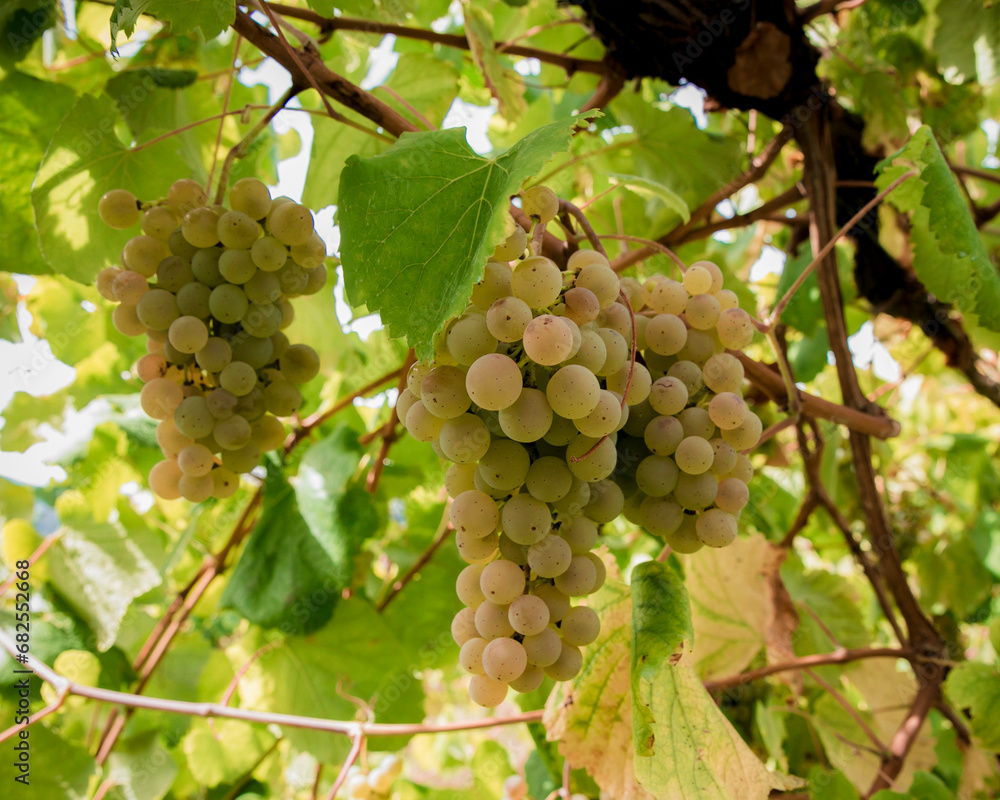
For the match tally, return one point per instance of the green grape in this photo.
(716, 528)
(143, 254)
(606, 501)
(255, 351)
(656, 476)
(725, 458)
(528, 615)
(697, 421)
(638, 389)
(173, 273)
(548, 479)
(702, 312)
(501, 582)
(160, 398)
(470, 656)
(528, 419)
(727, 410)
(486, 692)
(237, 267)
(542, 649)
(723, 373)
(537, 281)
(662, 435)
(200, 227)
(735, 328)
(463, 626)
(193, 417)
(504, 660)
(548, 340)
(196, 489)
(694, 455)
(550, 557)
(494, 284)
(282, 398)
(239, 378)
(195, 459)
(464, 439)
(493, 381)
(150, 366)
(215, 355)
(540, 203)
(179, 246)
(579, 577)
(727, 299)
(188, 334)
(557, 602)
(476, 551)
(666, 334)
(291, 279)
(128, 287)
(699, 347)
(512, 247)
(184, 195)
(280, 344)
(205, 266)
(160, 222)
(618, 352)
(601, 280)
(267, 432)
(668, 297)
(315, 280)
(696, 492)
(291, 224)
(580, 626)
(616, 317)
(668, 395)
(459, 478)
(299, 363)
(105, 280)
(421, 424)
(225, 483)
(661, 516)
(574, 501)
(238, 230)
(688, 373)
(525, 519)
(507, 318)
(192, 300)
(242, 460)
(596, 466)
(714, 271)
(233, 433)
(171, 440)
(312, 254)
(732, 495)
(746, 434)
(261, 320)
(269, 254)
(505, 465)
(157, 309)
(164, 480)
(119, 209)
(592, 353)
(221, 403)
(582, 305)
(251, 197)
(580, 534)
(443, 392)
(697, 280)
(228, 303)
(469, 338)
(573, 392)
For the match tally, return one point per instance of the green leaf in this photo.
(684, 745)
(419, 221)
(124, 17)
(84, 160)
(22, 23)
(925, 786)
(967, 40)
(355, 654)
(731, 605)
(976, 687)
(949, 256)
(141, 768)
(30, 111)
(804, 311)
(826, 785)
(504, 84)
(223, 753)
(99, 570)
(57, 768)
(301, 553)
(650, 189)
(211, 17)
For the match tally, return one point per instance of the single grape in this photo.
(580, 626)
(195, 459)
(580, 534)
(255, 351)
(119, 209)
(291, 224)
(228, 303)
(262, 320)
(205, 266)
(196, 489)
(443, 392)
(543, 649)
(567, 666)
(493, 381)
(421, 424)
(143, 254)
(193, 300)
(618, 352)
(723, 373)
(702, 312)
(160, 398)
(540, 203)
(184, 195)
(164, 479)
(188, 334)
(237, 267)
(668, 297)
(716, 528)
(548, 479)
(242, 460)
(600, 279)
(688, 373)
(732, 495)
(747, 434)
(310, 255)
(463, 439)
(269, 254)
(656, 475)
(528, 615)
(604, 419)
(200, 227)
(666, 334)
(662, 435)
(537, 281)
(299, 363)
(490, 621)
(596, 466)
(282, 397)
(550, 557)
(128, 287)
(529, 418)
(494, 284)
(507, 318)
(267, 432)
(233, 433)
(727, 410)
(150, 366)
(463, 626)
(467, 585)
(512, 247)
(606, 501)
(469, 338)
(525, 519)
(470, 656)
(694, 455)
(475, 513)
(696, 492)
(505, 465)
(238, 377)
(582, 305)
(487, 692)
(548, 340)
(638, 388)
(504, 659)
(697, 280)
(250, 196)
(661, 516)
(528, 681)
(221, 404)
(573, 392)
(502, 582)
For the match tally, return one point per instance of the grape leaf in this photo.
(827, 785)
(949, 256)
(301, 553)
(925, 786)
(57, 768)
(309, 675)
(22, 23)
(211, 17)
(505, 85)
(967, 41)
(654, 190)
(85, 159)
(399, 258)
(142, 768)
(684, 745)
(30, 111)
(223, 754)
(977, 687)
(124, 17)
(730, 604)
(99, 570)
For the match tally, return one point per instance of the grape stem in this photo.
(357, 742)
(241, 148)
(620, 265)
(782, 304)
(225, 107)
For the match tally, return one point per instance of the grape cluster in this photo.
(552, 430)
(210, 289)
